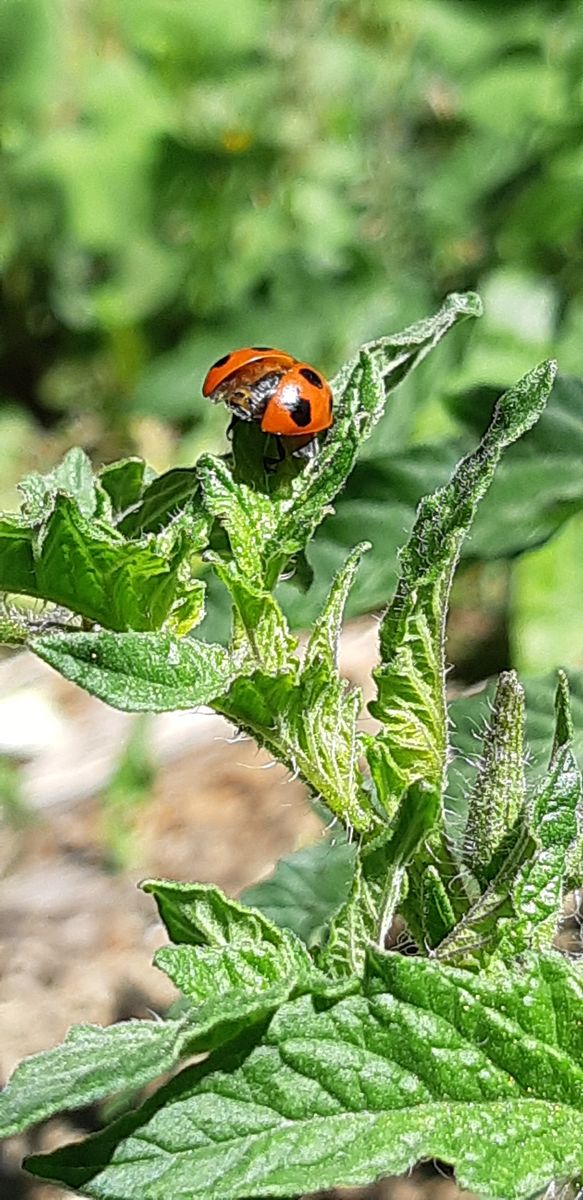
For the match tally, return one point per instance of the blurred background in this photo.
(182, 178)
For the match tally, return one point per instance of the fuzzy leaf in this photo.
(307, 720)
(139, 672)
(86, 566)
(366, 917)
(73, 477)
(91, 1063)
(484, 1073)
(199, 914)
(555, 820)
(520, 907)
(498, 796)
(410, 700)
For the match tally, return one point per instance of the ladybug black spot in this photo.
(301, 413)
(311, 377)
(221, 361)
(262, 347)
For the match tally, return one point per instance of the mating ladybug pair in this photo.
(286, 397)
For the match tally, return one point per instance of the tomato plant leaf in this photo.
(431, 1062)
(139, 672)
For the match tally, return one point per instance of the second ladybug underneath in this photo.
(286, 397)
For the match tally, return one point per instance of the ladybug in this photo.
(286, 397)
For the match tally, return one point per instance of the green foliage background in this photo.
(181, 178)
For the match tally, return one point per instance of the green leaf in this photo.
(73, 477)
(498, 795)
(521, 907)
(199, 914)
(124, 482)
(536, 489)
(360, 390)
(162, 501)
(481, 1072)
(88, 567)
(90, 1064)
(378, 883)
(556, 821)
(306, 888)
(410, 700)
(539, 483)
(307, 719)
(380, 498)
(139, 672)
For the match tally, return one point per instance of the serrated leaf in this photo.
(73, 477)
(139, 672)
(199, 914)
(378, 883)
(498, 795)
(306, 888)
(259, 623)
(521, 906)
(86, 566)
(484, 1073)
(249, 518)
(555, 821)
(307, 719)
(410, 701)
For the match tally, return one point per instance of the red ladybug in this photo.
(286, 397)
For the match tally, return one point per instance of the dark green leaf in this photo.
(124, 482)
(165, 497)
(306, 888)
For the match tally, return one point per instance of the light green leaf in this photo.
(139, 672)
(378, 883)
(521, 905)
(73, 477)
(555, 819)
(481, 1072)
(199, 914)
(91, 1063)
(306, 719)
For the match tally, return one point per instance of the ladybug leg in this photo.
(306, 449)
(271, 464)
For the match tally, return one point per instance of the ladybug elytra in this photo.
(286, 397)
